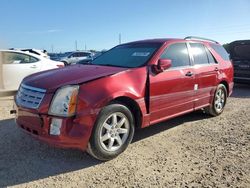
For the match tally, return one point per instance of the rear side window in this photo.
(210, 57)
(178, 53)
(221, 51)
(199, 53)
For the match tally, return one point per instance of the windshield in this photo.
(128, 55)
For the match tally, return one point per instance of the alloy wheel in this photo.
(114, 131)
(220, 98)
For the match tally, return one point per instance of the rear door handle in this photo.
(189, 73)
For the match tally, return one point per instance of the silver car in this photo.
(69, 58)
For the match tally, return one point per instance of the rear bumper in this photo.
(242, 79)
(72, 133)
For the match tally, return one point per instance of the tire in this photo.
(112, 132)
(219, 101)
(65, 63)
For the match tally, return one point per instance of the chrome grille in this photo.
(29, 97)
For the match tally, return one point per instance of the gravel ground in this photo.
(190, 151)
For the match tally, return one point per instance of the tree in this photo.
(226, 46)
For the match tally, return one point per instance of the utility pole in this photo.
(76, 44)
(120, 38)
(85, 47)
(52, 48)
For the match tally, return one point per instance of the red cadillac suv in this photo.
(97, 106)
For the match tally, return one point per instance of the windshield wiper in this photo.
(111, 65)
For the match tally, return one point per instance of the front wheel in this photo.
(112, 133)
(65, 63)
(219, 101)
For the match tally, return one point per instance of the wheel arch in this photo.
(65, 62)
(132, 106)
(225, 83)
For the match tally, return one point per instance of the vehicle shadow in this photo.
(24, 159)
(169, 124)
(241, 91)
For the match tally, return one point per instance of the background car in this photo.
(240, 55)
(18, 64)
(90, 58)
(69, 58)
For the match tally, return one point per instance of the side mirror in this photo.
(163, 64)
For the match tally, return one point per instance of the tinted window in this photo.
(241, 51)
(18, 58)
(128, 55)
(178, 53)
(84, 54)
(74, 55)
(221, 51)
(199, 53)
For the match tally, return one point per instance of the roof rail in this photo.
(200, 38)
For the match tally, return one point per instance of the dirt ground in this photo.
(190, 151)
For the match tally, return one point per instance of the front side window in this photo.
(84, 54)
(75, 55)
(18, 58)
(199, 53)
(128, 55)
(178, 53)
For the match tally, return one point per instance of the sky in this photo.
(56, 25)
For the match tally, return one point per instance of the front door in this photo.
(172, 91)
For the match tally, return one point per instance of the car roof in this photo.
(164, 40)
(78, 51)
(24, 52)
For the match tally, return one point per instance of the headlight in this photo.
(64, 101)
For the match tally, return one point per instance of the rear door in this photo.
(172, 91)
(206, 74)
(16, 66)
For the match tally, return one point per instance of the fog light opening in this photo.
(55, 127)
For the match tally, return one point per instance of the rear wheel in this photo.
(112, 133)
(219, 101)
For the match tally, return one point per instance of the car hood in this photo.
(75, 74)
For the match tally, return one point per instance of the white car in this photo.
(15, 65)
